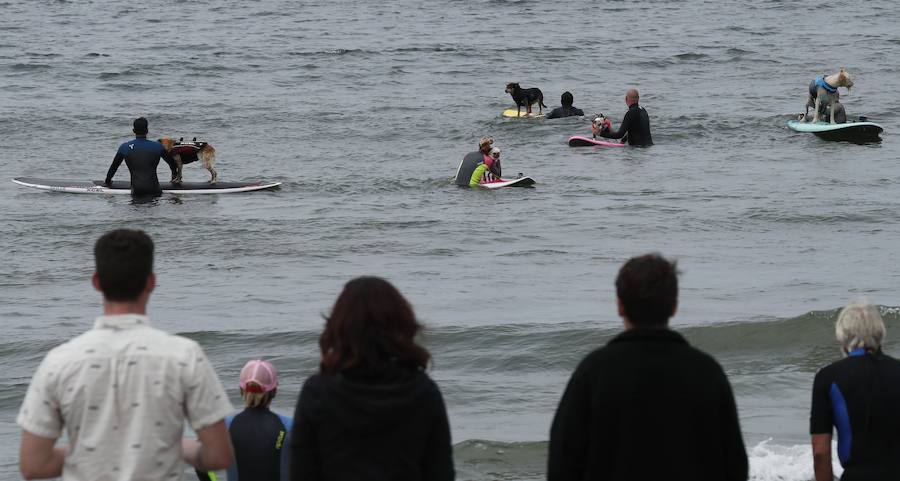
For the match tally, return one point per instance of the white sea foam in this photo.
(773, 462)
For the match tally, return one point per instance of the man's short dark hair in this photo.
(141, 126)
(124, 261)
(567, 99)
(647, 285)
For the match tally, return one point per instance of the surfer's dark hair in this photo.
(124, 261)
(647, 286)
(371, 325)
(141, 126)
(567, 99)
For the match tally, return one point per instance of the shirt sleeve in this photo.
(569, 433)
(40, 414)
(167, 157)
(438, 462)
(820, 418)
(285, 458)
(205, 400)
(117, 161)
(736, 464)
(623, 128)
(304, 453)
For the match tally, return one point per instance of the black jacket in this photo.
(636, 125)
(647, 406)
(386, 424)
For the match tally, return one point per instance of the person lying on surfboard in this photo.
(635, 125)
(567, 110)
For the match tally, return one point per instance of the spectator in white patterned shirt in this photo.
(123, 390)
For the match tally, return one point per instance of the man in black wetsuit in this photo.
(142, 157)
(858, 396)
(635, 125)
(567, 110)
(647, 406)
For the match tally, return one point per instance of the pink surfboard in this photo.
(579, 141)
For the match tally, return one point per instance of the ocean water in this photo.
(364, 110)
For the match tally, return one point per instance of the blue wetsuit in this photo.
(260, 439)
(142, 157)
(860, 395)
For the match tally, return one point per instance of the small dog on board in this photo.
(823, 90)
(186, 152)
(525, 97)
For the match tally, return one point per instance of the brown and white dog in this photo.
(823, 92)
(186, 152)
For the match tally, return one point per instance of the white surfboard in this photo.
(124, 187)
(520, 182)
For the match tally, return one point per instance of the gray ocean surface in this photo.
(363, 110)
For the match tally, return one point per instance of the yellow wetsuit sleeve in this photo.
(476, 175)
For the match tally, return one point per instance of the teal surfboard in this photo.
(850, 131)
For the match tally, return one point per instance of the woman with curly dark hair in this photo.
(371, 412)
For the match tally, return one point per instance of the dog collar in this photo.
(820, 82)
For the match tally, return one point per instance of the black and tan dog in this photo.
(185, 152)
(525, 97)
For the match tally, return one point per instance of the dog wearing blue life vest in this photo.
(823, 92)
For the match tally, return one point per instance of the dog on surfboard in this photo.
(187, 152)
(525, 97)
(823, 92)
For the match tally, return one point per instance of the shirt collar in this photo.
(649, 334)
(121, 321)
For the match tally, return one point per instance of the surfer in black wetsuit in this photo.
(567, 110)
(142, 157)
(635, 125)
(858, 396)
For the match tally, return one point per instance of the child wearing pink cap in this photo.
(260, 437)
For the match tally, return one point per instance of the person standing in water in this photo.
(142, 158)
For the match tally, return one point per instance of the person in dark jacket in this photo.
(635, 126)
(371, 412)
(647, 406)
(142, 157)
(858, 396)
(567, 110)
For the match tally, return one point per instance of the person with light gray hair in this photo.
(859, 396)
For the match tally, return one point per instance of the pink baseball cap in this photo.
(259, 376)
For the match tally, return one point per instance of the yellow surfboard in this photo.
(515, 114)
